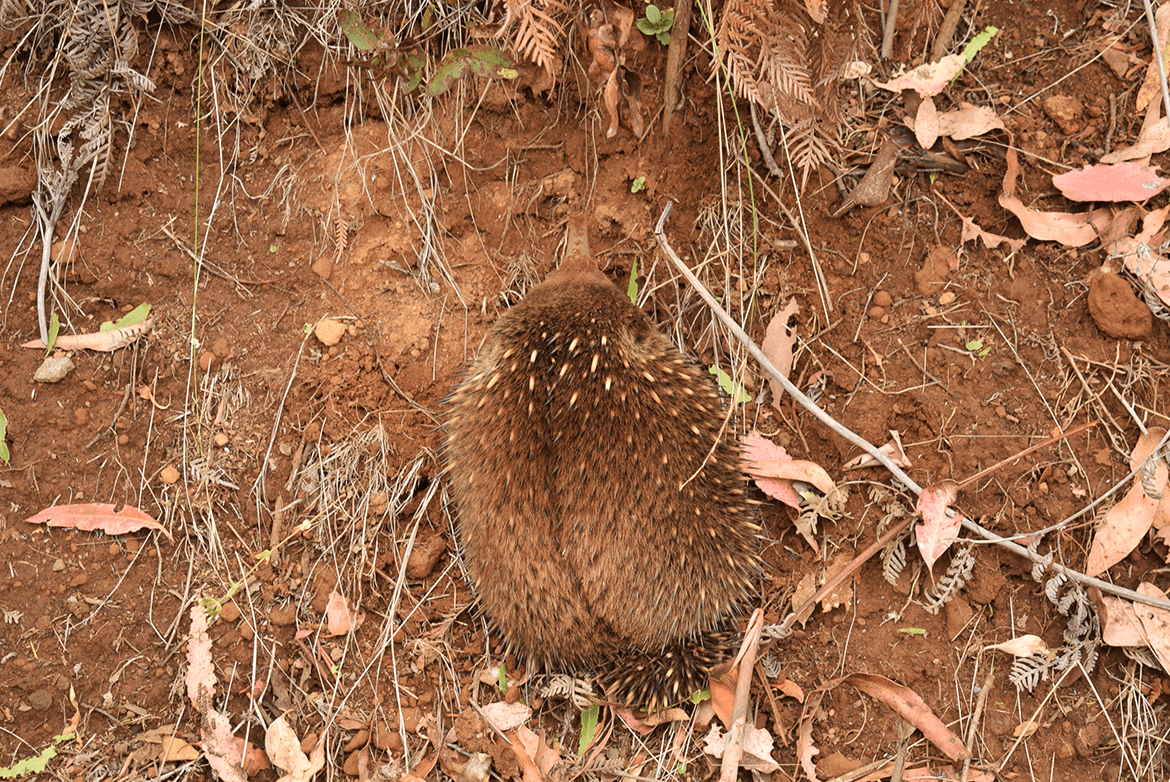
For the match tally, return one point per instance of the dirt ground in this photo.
(324, 217)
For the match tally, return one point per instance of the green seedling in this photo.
(638, 185)
(54, 330)
(657, 23)
(632, 288)
(730, 387)
(4, 455)
(588, 728)
(131, 318)
(385, 57)
(483, 61)
(912, 631)
(502, 677)
(977, 348)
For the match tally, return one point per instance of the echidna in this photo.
(603, 521)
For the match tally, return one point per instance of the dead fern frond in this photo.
(536, 31)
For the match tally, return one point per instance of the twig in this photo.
(946, 30)
(737, 729)
(770, 368)
(980, 704)
(1158, 56)
(888, 30)
(676, 55)
(765, 150)
(1050, 441)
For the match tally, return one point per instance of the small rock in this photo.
(283, 616)
(81, 416)
(58, 565)
(221, 348)
(351, 766)
(53, 369)
(81, 579)
(424, 555)
(836, 764)
(323, 267)
(123, 439)
(17, 184)
(1087, 740)
(206, 360)
(221, 439)
(387, 738)
(930, 278)
(478, 767)
(1066, 112)
(876, 313)
(883, 299)
(169, 475)
(1116, 309)
(946, 298)
(230, 612)
(329, 331)
(40, 699)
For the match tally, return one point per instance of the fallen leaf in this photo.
(939, 530)
(892, 449)
(506, 716)
(1151, 85)
(757, 748)
(527, 765)
(1150, 141)
(284, 750)
(544, 756)
(972, 232)
(1118, 182)
(1156, 623)
(1120, 625)
(1022, 646)
(219, 747)
(1128, 521)
(844, 591)
(104, 341)
(926, 124)
(338, 620)
(1026, 729)
(175, 749)
(1071, 230)
(968, 122)
(791, 689)
(774, 470)
(92, 516)
(927, 80)
(778, 345)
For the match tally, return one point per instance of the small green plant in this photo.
(483, 61)
(131, 318)
(977, 348)
(638, 185)
(4, 455)
(54, 330)
(386, 58)
(730, 387)
(657, 23)
(632, 288)
(588, 727)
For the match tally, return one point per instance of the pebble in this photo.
(81, 416)
(53, 369)
(206, 360)
(946, 298)
(883, 299)
(329, 331)
(876, 313)
(221, 439)
(169, 475)
(1116, 309)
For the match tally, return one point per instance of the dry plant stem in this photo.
(980, 704)
(736, 731)
(888, 31)
(762, 142)
(946, 31)
(676, 55)
(1157, 57)
(1050, 441)
(865, 445)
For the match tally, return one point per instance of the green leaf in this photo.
(414, 67)
(730, 387)
(653, 15)
(428, 18)
(588, 728)
(355, 30)
(131, 318)
(663, 38)
(638, 185)
(54, 329)
(4, 455)
(912, 631)
(978, 42)
(974, 344)
(502, 678)
(698, 696)
(35, 765)
(483, 61)
(632, 289)
(645, 26)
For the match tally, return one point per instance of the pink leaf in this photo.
(938, 531)
(778, 344)
(926, 124)
(1128, 521)
(110, 519)
(1071, 230)
(927, 80)
(774, 470)
(1119, 182)
(968, 122)
(1121, 626)
(219, 747)
(105, 341)
(201, 681)
(337, 616)
(284, 750)
(1155, 623)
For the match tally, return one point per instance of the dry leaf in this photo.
(524, 760)
(90, 517)
(926, 124)
(175, 749)
(284, 750)
(757, 748)
(778, 345)
(927, 80)
(1026, 729)
(1022, 646)
(1071, 230)
(219, 747)
(1128, 521)
(972, 232)
(201, 682)
(1120, 625)
(544, 756)
(1151, 85)
(968, 122)
(892, 449)
(1118, 182)
(338, 620)
(506, 716)
(1155, 623)
(844, 591)
(939, 530)
(774, 470)
(105, 341)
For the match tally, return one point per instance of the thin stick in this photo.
(1025, 452)
(946, 30)
(676, 55)
(770, 368)
(736, 731)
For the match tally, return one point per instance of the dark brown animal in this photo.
(602, 520)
